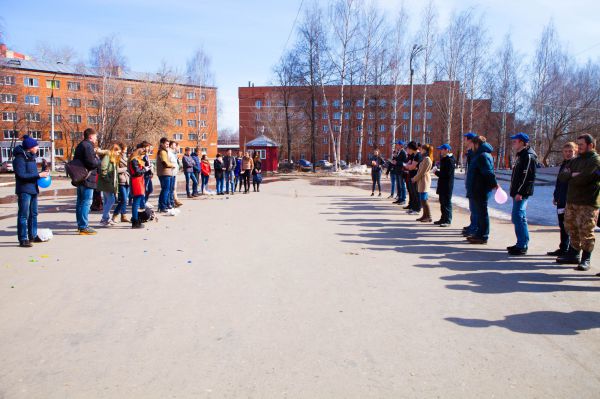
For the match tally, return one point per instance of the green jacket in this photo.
(584, 189)
(108, 179)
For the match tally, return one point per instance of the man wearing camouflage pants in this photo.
(583, 202)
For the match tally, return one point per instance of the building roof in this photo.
(262, 141)
(82, 70)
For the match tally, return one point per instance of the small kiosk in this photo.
(267, 150)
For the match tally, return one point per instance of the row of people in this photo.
(576, 195)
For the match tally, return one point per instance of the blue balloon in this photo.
(44, 182)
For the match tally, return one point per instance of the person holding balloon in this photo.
(27, 178)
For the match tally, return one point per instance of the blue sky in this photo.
(245, 38)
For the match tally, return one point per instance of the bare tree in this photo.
(45, 51)
(427, 37)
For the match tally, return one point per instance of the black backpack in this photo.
(77, 171)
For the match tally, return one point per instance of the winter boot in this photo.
(125, 219)
(584, 264)
(426, 212)
(136, 224)
(571, 257)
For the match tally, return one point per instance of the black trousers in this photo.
(414, 201)
(246, 179)
(565, 241)
(446, 207)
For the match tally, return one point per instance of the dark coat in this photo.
(26, 171)
(257, 167)
(188, 163)
(379, 164)
(523, 174)
(229, 163)
(196, 162)
(417, 157)
(480, 175)
(469, 158)
(86, 154)
(218, 169)
(584, 189)
(445, 175)
(400, 158)
(561, 188)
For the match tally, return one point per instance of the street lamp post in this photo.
(52, 149)
(416, 50)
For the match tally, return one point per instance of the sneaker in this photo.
(517, 251)
(88, 231)
(372, 194)
(437, 222)
(105, 223)
(25, 244)
(37, 240)
(391, 196)
(477, 240)
(558, 252)
(400, 203)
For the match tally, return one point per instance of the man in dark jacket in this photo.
(471, 229)
(481, 179)
(228, 167)
(188, 171)
(445, 185)
(398, 164)
(196, 159)
(583, 201)
(569, 151)
(26, 188)
(86, 153)
(413, 160)
(521, 188)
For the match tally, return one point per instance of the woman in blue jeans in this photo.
(136, 169)
(108, 182)
(123, 173)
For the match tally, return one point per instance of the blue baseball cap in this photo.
(400, 142)
(520, 136)
(470, 135)
(445, 147)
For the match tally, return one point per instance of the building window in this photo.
(93, 103)
(417, 102)
(10, 134)
(9, 116)
(176, 94)
(325, 129)
(406, 103)
(203, 110)
(52, 84)
(359, 128)
(325, 115)
(93, 119)
(93, 87)
(177, 136)
(429, 115)
(75, 136)
(33, 117)
(359, 103)
(336, 128)
(429, 103)
(381, 140)
(191, 95)
(325, 140)
(9, 98)
(56, 101)
(382, 102)
(57, 118)
(74, 86)
(337, 116)
(382, 115)
(31, 82)
(178, 122)
(417, 128)
(404, 129)
(405, 115)
(346, 115)
(191, 109)
(203, 150)
(336, 103)
(382, 128)
(429, 129)
(36, 134)
(204, 136)
(371, 115)
(202, 123)
(75, 118)
(6, 153)
(203, 97)
(193, 136)
(191, 123)
(427, 140)
(74, 102)
(58, 135)
(7, 80)
(129, 90)
(262, 154)
(359, 115)
(59, 152)
(417, 115)
(372, 102)
(370, 141)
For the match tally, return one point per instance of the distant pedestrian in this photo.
(423, 181)
(174, 158)
(377, 164)
(521, 188)
(481, 180)
(108, 182)
(219, 174)
(188, 171)
(583, 202)
(26, 188)
(136, 170)
(85, 152)
(205, 171)
(164, 170)
(391, 172)
(196, 159)
(413, 160)
(229, 164)
(398, 161)
(247, 166)
(569, 151)
(256, 173)
(445, 185)
(120, 214)
(237, 172)
(471, 229)
(148, 173)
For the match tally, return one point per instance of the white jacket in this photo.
(175, 161)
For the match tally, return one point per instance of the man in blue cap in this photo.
(445, 184)
(471, 229)
(398, 163)
(521, 188)
(26, 188)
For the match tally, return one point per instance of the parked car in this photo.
(304, 165)
(324, 164)
(6, 167)
(343, 165)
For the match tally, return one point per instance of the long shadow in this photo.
(542, 322)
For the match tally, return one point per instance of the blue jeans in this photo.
(165, 187)
(173, 182)
(229, 187)
(401, 184)
(204, 182)
(121, 208)
(135, 206)
(149, 188)
(27, 216)
(82, 208)
(519, 219)
(393, 181)
(190, 176)
(220, 183)
(472, 229)
(108, 200)
(483, 218)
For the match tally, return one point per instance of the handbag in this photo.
(77, 171)
(258, 178)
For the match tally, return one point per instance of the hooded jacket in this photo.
(480, 175)
(523, 173)
(26, 171)
(584, 189)
(445, 175)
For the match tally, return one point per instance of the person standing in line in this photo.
(229, 166)
(219, 174)
(196, 159)
(123, 178)
(26, 188)
(445, 185)
(398, 162)
(188, 171)
(471, 229)
(136, 170)
(583, 202)
(237, 172)
(521, 188)
(164, 170)
(569, 151)
(148, 174)
(205, 171)
(423, 182)
(174, 158)
(377, 163)
(481, 180)
(414, 159)
(391, 172)
(85, 152)
(256, 173)
(108, 182)
(247, 166)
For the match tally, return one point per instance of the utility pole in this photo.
(52, 148)
(416, 50)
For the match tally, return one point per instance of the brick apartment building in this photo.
(261, 110)
(25, 104)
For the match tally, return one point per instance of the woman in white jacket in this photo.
(174, 159)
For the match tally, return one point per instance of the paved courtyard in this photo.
(309, 289)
